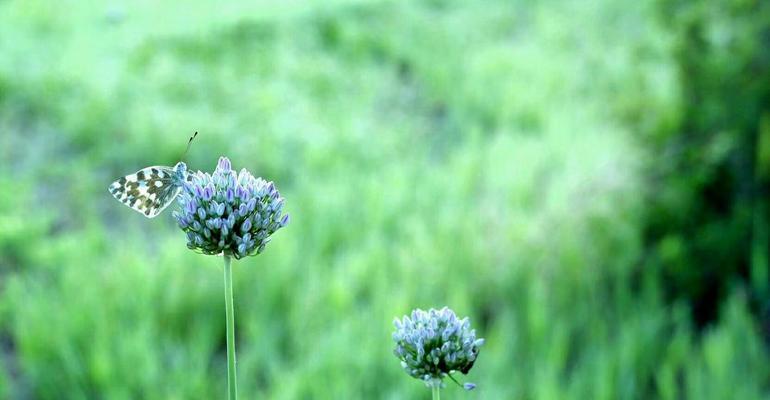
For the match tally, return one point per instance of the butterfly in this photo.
(150, 190)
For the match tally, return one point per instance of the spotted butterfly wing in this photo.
(149, 190)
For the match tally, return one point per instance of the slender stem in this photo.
(232, 387)
(455, 380)
(436, 393)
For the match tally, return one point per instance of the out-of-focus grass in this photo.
(476, 155)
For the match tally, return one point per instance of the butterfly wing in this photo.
(148, 191)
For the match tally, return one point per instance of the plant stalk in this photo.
(232, 387)
(436, 387)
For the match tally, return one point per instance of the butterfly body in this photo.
(150, 190)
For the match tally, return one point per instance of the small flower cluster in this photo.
(225, 213)
(433, 344)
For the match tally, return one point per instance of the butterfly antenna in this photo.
(189, 142)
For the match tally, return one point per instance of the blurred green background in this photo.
(587, 181)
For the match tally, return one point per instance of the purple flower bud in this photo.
(469, 386)
(224, 164)
(212, 223)
(231, 221)
(244, 177)
(241, 192)
(190, 207)
(246, 226)
(202, 213)
(285, 220)
(229, 195)
(216, 179)
(243, 210)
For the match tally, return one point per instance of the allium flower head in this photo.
(432, 344)
(229, 213)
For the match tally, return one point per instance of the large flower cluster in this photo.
(229, 213)
(433, 344)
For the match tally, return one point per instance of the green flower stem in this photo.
(232, 387)
(436, 394)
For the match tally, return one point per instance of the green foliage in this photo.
(480, 155)
(704, 223)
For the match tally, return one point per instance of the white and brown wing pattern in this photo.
(148, 191)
